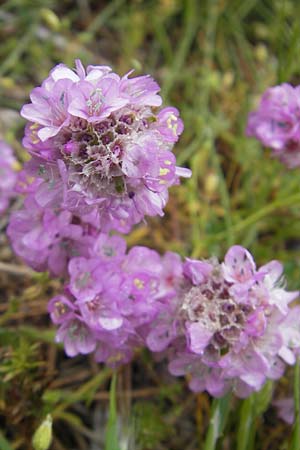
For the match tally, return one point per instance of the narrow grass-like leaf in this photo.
(111, 437)
(246, 424)
(263, 398)
(252, 408)
(219, 415)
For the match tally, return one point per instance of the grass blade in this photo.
(111, 438)
(219, 415)
(246, 424)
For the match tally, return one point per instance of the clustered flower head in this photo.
(230, 326)
(100, 145)
(8, 175)
(276, 123)
(110, 300)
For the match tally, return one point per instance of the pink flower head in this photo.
(103, 145)
(276, 123)
(48, 238)
(111, 300)
(230, 326)
(8, 175)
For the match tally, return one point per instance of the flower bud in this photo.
(43, 435)
(50, 18)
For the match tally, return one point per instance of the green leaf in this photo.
(111, 436)
(263, 398)
(246, 424)
(4, 444)
(219, 415)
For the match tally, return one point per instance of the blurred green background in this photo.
(213, 60)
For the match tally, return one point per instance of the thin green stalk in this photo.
(189, 33)
(18, 51)
(217, 423)
(295, 444)
(266, 210)
(225, 197)
(251, 410)
(246, 424)
(105, 15)
(84, 393)
(261, 213)
(111, 436)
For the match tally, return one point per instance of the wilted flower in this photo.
(99, 143)
(276, 123)
(8, 175)
(231, 326)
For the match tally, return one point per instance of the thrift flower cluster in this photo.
(230, 326)
(276, 123)
(100, 145)
(101, 160)
(110, 300)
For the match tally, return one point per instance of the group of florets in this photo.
(101, 160)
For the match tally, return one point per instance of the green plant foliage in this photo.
(149, 426)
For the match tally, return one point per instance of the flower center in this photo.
(211, 305)
(94, 152)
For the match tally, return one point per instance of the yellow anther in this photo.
(60, 308)
(172, 123)
(163, 171)
(16, 165)
(34, 126)
(115, 358)
(139, 284)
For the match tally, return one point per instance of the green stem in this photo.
(245, 424)
(217, 423)
(225, 197)
(260, 214)
(111, 436)
(16, 54)
(104, 15)
(189, 33)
